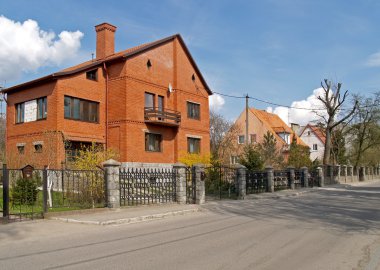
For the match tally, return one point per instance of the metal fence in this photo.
(147, 185)
(281, 180)
(298, 179)
(220, 182)
(190, 186)
(256, 182)
(30, 195)
(313, 178)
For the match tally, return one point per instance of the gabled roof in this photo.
(318, 132)
(276, 125)
(116, 56)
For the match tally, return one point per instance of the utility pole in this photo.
(246, 119)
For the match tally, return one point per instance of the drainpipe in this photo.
(105, 69)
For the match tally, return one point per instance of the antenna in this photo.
(92, 57)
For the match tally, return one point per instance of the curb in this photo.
(279, 196)
(131, 220)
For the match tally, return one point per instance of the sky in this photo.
(273, 50)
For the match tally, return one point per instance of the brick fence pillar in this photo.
(241, 177)
(200, 191)
(321, 177)
(112, 171)
(180, 183)
(270, 177)
(305, 176)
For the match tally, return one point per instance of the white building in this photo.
(314, 137)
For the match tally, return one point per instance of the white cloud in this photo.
(300, 116)
(216, 102)
(373, 60)
(25, 47)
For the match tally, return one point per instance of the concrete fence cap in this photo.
(178, 165)
(239, 166)
(111, 162)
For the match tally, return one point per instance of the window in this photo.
(315, 147)
(161, 103)
(193, 145)
(193, 110)
(149, 100)
(253, 138)
(234, 160)
(308, 133)
(285, 136)
(41, 108)
(20, 111)
(153, 142)
(241, 139)
(92, 75)
(31, 110)
(38, 148)
(80, 109)
(21, 149)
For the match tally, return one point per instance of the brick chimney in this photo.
(105, 40)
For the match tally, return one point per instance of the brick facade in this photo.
(126, 79)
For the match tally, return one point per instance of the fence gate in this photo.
(313, 179)
(281, 180)
(256, 182)
(147, 185)
(220, 182)
(190, 186)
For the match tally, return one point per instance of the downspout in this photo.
(105, 69)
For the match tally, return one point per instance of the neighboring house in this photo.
(150, 103)
(259, 123)
(314, 137)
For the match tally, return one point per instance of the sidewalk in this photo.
(127, 215)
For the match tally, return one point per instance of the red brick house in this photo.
(149, 102)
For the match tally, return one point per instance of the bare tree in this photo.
(223, 134)
(333, 101)
(365, 131)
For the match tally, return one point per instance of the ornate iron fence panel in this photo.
(147, 186)
(313, 178)
(220, 182)
(256, 182)
(190, 186)
(24, 199)
(281, 180)
(298, 179)
(75, 189)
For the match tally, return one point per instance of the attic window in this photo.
(193, 77)
(92, 75)
(148, 64)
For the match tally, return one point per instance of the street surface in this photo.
(332, 228)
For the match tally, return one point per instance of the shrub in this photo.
(25, 191)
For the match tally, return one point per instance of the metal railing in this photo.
(147, 186)
(256, 182)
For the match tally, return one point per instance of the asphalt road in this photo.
(333, 228)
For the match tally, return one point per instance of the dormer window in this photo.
(92, 75)
(285, 136)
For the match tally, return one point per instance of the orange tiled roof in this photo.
(274, 122)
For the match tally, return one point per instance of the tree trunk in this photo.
(326, 155)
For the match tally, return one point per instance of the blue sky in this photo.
(277, 50)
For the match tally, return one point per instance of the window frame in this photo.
(88, 77)
(315, 147)
(238, 139)
(190, 106)
(20, 110)
(147, 142)
(38, 147)
(77, 108)
(21, 149)
(193, 139)
(153, 99)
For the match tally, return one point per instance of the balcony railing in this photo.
(162, 117)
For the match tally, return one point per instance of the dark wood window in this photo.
(153, 142)
(80, 109)
(20, 111)
(193, 145)
(38, 148)
(41, 108)
(193, 110)
(161, 103)
(149, 100)
(92, 75)
(253, 138)
(21, 149)
(41, 112)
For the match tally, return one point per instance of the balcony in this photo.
(166, 118)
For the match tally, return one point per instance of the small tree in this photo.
(299, 155)
(190, 159)
(251, 158)
(269, 152)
